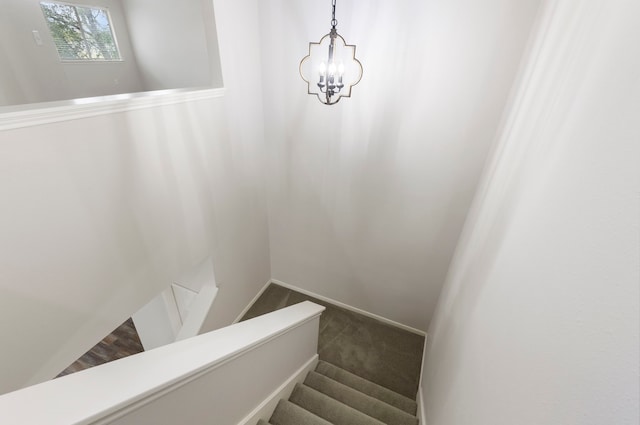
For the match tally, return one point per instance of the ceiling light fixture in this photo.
(334, 63)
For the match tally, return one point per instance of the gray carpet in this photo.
(333, 396)
(373, 350)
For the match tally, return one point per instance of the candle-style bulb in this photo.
(322, 69)
(332, 69)
(341, 69)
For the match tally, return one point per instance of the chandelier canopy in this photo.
(331, 68)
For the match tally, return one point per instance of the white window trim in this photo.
(21, 116)
(111, 28)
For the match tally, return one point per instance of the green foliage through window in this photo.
(81, 32)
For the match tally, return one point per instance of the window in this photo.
(81, 33)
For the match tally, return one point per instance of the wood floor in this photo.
(122, 342)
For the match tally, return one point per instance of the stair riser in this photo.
(355, 399)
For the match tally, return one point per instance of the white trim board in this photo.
(422, 418)
(342, 305)
(265, 409)
(421, 413)
(424, 355)
(252, 302)
(12, 117)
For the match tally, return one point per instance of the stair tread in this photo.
(328, 408)
(263, 422)
(364, 403)
(288, 413)
(367, 387)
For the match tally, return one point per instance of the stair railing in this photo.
(216, 378)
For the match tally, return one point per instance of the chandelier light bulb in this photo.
(322, 69)
(332, 69)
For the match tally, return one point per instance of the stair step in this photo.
(332, 410)
(263, 422)
(364, 403)
(288, 413)
(367, 387)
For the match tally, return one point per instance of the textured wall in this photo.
(539, 320)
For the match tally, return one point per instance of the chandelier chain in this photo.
(334, 22)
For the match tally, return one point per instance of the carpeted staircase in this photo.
(331, 395)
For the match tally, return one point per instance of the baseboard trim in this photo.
(266, 408)
(252, 302)
(342, 305)
(422, 419)
(421, 415)
(424, 355)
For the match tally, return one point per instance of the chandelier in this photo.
(331, 68)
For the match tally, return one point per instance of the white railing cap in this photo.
(89, 395)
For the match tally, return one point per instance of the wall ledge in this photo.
(12, 117)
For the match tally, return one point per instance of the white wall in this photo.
(100, 214)
(243, 214)
(179, 311)
(539, 320)
(158, 321)
(35, 73)
(170, 42)
(10, 94)
(367, 198)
